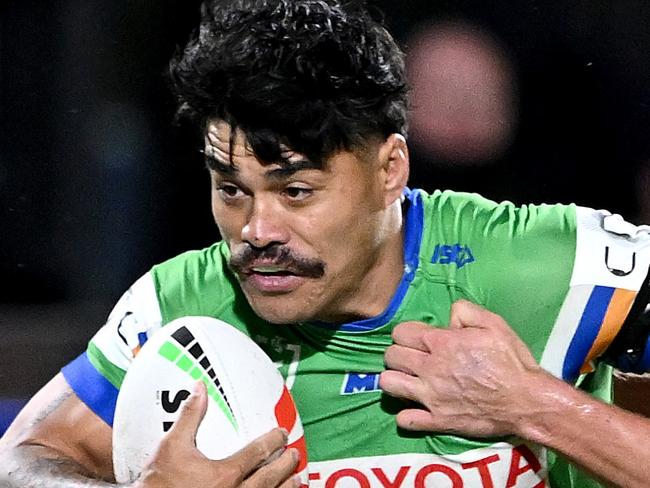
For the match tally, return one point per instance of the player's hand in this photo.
(264, 463)
(475, 378)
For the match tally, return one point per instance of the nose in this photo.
(265, 225)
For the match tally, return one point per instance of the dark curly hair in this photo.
(315, 75)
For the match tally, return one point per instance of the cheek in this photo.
(342, 242)
(228, 222)
(215, 209)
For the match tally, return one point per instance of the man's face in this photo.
(307, 242)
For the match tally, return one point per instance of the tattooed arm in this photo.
(56, 442)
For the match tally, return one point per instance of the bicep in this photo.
(56, 420)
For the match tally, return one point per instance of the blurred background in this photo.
(521, 100)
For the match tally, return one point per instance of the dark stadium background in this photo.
(97, 185)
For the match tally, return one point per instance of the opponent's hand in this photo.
(475, 378)
(264, 463)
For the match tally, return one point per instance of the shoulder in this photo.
(169, 289)
(462, 212)
(210, 259)
(465, 228)
(195, 283)
(191, 269)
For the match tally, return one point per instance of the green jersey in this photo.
(561, 276)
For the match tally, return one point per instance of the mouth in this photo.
(271, 271)
(272, 279)
(275, 270)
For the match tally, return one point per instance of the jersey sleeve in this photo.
(96, 375)
(573, 275)
(610, 269)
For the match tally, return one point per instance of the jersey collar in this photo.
(413, 222)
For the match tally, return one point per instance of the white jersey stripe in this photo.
(565, 328)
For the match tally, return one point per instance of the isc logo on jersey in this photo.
(500, 466)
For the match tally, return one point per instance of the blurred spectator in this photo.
(581, 106)
(464, 100)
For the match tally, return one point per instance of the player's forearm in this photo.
(30, 466)
(605, 440)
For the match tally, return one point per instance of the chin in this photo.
(281, 317)
(280, 310)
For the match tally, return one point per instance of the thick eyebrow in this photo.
(219, 166)
(290, 168)
(285, 170)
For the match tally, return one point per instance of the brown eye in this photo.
(228, 191)
(297, 192)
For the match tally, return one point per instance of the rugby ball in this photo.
(247, 396)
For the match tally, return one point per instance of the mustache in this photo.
(244, 259)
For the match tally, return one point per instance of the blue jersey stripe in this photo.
(587, 331)
(91, 387)
(414, 222)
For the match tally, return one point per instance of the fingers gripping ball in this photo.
(246, 395)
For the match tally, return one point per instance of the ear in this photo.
(394, 161)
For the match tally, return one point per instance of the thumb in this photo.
(191, 415)
(465, 314)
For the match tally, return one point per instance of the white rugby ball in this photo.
(246, 394)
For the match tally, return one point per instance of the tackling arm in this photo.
(477, 378)
(606, 440)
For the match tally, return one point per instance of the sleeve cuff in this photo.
(91, 387)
